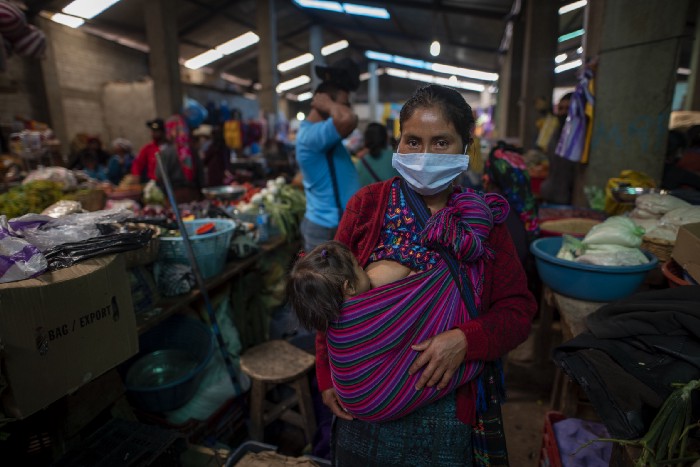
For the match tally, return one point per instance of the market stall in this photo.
(104, 268)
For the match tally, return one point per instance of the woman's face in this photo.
(429, 131)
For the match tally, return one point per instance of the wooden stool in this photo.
(272, 363)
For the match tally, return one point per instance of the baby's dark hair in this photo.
(315, 286)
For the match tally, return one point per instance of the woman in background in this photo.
(374, 164)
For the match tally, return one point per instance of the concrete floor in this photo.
(529, 386)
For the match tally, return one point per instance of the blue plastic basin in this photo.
(586, 281)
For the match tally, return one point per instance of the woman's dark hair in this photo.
(375, 139)
(449, 101)
(315, 285)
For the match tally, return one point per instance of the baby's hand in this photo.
(385, 272)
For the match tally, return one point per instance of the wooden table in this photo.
(567, 396)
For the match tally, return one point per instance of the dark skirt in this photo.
(429, 437)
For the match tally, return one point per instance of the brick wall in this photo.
(22, 91)
(82, 65)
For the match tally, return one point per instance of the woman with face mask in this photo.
(423, 221)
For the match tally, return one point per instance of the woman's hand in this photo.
(441, 356)
(330, 398)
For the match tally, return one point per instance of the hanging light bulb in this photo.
(435, 49)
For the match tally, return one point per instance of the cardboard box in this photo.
(62, 329)
(686, 251)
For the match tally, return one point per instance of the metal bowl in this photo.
(224, 192)
(161, 368)
(629, 194)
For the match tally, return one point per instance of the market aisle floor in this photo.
(529, 386)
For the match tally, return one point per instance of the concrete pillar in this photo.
(52, 86)
(373, 92)
(634, 85)
(541, 32)
(510, 84)
(267, 57)
(315, 45)
(163, 58)
(692, 97)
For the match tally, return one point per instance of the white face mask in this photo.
(428, 173)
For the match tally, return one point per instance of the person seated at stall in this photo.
(217, 159)
(92, 149)
(121, 160)
(92, 167)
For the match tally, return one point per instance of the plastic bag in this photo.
(55, 174)
(216, 386)
(19, 259)
(571, 248)
(612, 255)
(67, 254)
(616, 230)
(62, 208)
(659, 204)
(682, 216)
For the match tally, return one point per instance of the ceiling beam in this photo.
(404, 36)
(197, 23)
(459, 10)
(237, 20)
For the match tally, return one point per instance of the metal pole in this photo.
(198, 276)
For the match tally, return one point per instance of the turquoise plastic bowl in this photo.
(586, 281)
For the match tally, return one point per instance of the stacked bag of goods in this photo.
(661, 216)
(18, 36)
(614, 242)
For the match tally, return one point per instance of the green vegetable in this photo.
(666, 441)
(32, 197)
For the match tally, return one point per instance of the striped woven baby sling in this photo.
(369, 346)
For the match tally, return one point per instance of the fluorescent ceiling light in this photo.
(320, 5)
(236, 79)
(437, 67)
(572, 6)
(579, 50)
(560, 58)
(67, 20)
(379, 56)
(202, 59)
(305, 96)
(366, 75)
(465, 72)
(426, 78)
(293, 83)
(334, 47)
(295, 62)
(683, 71)
(88, 8)
(435, 49)
(363, 10)
(349, 8)
(308, 57)
(300, 115)
(568, 66)
(238, 43)
(570, 35)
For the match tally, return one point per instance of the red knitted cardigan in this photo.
(507, 304)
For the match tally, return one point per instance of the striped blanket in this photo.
(370, 345)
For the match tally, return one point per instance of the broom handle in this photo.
(198, 276)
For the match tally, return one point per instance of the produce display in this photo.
(32, 197)
(614, 242)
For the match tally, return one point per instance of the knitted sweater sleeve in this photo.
(507, 304)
